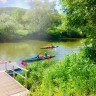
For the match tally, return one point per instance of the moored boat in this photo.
(18, 71)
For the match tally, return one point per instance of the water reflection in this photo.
(27, 49)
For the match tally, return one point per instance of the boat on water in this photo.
(47, 47)
(18, 71)
(41, 58)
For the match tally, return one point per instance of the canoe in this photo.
(18, 71)
(34, 59)
(46, 47)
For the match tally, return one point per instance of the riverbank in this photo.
(74, 75)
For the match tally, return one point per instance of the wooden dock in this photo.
(9, 66)
(10, 87)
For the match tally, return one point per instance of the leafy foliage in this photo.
(40, 17)
(75, 75)
(8, 27)
(35, 73)
(41, 21)
(81, 14)
(18, 14)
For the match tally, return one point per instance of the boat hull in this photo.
(11, 73)
(48, 47)
(34, 59)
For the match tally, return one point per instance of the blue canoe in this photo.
(34, 59)
(19, 71)
(46, 47)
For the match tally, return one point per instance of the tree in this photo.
(8, 27)
(81, 14)
(18, 14)
(40, 17)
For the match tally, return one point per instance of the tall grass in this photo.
(75, 75)
(35, 73)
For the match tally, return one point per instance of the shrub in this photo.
(74, 75)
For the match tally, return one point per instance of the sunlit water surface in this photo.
(19, 51)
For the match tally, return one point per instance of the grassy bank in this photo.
(73, 76)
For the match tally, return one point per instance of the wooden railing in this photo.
(14, 64)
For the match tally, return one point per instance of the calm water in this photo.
(27, 49)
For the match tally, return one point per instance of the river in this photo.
(28, 49)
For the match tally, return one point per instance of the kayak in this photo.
(18, 71)
(42, 58)
(47, 47)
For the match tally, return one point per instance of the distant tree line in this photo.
(41, 21)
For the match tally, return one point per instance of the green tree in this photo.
(17, 15)
(8, 27)
(81, 14)
(40, 17)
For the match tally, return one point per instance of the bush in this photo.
(35, 73)
(74, 75)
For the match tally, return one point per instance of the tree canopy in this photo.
(8, 27)
(81, 14)
(76, 20)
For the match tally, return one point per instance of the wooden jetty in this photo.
(9, 86)
(8, 66)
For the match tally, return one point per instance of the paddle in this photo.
(43, 58)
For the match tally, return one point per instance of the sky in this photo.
(16, 3)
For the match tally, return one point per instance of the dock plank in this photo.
(9, 66)
(10, 87)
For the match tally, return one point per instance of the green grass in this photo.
(35, 73)
(75, 75)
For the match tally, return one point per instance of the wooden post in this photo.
(26, 83)
(26, 78)
(13, 72)
(6, 66)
